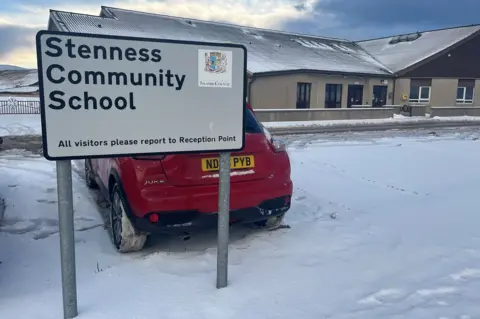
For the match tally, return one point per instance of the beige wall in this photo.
(476, 93)
(443, 92)
(402, 87)
(280, 91)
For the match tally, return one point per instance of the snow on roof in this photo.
(84, 23)
(399, 52)
(268, 50)
(19, 81)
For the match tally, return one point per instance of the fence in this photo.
(14, 106)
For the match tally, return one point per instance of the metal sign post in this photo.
(151, 86)
(67, 238)
(223, 220)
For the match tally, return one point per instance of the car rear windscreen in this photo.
(251, 123)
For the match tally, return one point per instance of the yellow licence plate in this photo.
(236, 162)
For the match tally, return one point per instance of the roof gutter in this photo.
(323, 72)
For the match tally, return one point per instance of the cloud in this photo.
(261, 13)
(19, 25)
(370, 18)
(348, 19)
(406, 12)
(37, 16)
(24, 57)
(257, 13)
(32, 15)
(16, 37)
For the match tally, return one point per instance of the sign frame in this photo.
(44, 125)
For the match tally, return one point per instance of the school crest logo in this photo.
(215, 68)
(216, 62)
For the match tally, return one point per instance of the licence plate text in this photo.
(236, 162)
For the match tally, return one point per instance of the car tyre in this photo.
(125, 237)
(271, 223)
(89, 177)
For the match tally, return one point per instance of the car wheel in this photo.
(271, 223)
(89, 178)
(125, 237)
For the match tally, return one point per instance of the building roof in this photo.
(268, 51)
(85, 23)
(272, 52)
(403, 51)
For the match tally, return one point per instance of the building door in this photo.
(379, 97)
(303, 95)
(355, 95)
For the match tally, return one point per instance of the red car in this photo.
(176, 194)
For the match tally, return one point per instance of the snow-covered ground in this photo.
(397, 119)
(28, 124)
(383, 225)
(20, 124)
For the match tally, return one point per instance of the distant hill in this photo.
(18, 81)
(6, 67)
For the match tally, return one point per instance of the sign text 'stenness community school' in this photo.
(58, 74)
(111, 96)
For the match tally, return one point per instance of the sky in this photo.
(348, 19)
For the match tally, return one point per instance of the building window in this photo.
(333, 96)
(420, 90)
(465, 91)
(303, 95)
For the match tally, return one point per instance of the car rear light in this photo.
(149, 158)
(153, 218)
(267, 134)
(277, 144)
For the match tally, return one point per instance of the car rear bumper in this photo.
(181, 208)
(204, 198)
(181, 222)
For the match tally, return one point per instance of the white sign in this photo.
(110, 96)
